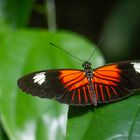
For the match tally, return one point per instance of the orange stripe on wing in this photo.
(79, 96)
(73, 77)
(73, 95)
(108, 75)
(102, 94)
(110, 70)
(85, 95)
(90, 94)
(114, 90)
(108, 92)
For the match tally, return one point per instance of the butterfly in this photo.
(89, 86)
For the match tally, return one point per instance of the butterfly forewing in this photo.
(42, 84)
(116, 81)
(66, 86)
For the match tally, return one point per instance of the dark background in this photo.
(89, 18)
(86, 17)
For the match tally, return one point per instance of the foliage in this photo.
(24, 51)
(24, 117)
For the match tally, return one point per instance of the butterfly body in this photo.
(105, 84)
(89, 75)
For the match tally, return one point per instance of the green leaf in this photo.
(3, 135)
(116, 121)
(25, 117)
(16, 12)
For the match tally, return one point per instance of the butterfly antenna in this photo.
(92, 54)
(66, 52)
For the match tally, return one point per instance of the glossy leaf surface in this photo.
(23, 116)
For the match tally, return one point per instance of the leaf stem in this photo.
(51, 16)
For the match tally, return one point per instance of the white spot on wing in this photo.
(39, 78)
(136, 66)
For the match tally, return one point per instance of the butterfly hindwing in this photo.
(77, 88)
(66, 86)
(116, 81)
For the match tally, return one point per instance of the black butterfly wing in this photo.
(66, 86)
(116, 81)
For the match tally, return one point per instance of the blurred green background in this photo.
(27, 27)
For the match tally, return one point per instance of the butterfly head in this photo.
(86, 65)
